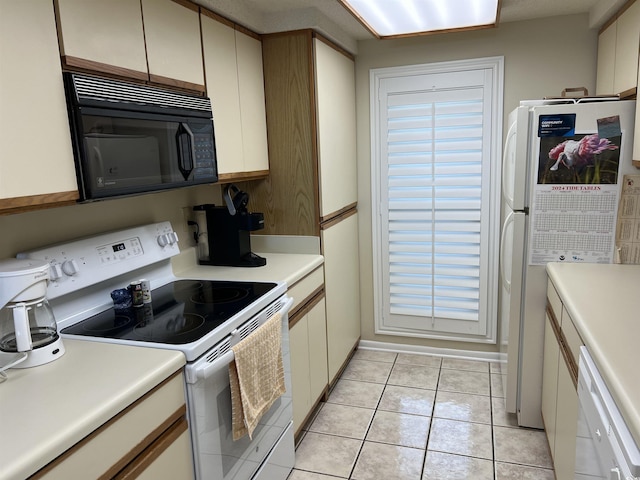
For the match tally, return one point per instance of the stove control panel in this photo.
(87, 261)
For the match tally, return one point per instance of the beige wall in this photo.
(30, 230)
(541, 57)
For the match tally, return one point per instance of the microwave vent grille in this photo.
(103, 89)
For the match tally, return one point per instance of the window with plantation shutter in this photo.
(435, 182)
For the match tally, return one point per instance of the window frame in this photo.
(490, 291)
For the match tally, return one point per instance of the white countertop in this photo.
(280, 267)
(45, 410)
(604, 303)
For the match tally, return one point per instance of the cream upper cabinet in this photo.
(32, 94)
(627, 47)
(172, 36)
(233, 66)
(157, 40)
(252, 103)
(219, 48)
(618, 46)
(606, 60)
(336, 114)
(103, 36)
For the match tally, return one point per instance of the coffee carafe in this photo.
(27, 323)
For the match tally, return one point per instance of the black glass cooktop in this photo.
(180, 312)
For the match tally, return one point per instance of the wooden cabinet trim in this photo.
(332, 382)
(216, 17)
(229, 23)
(187, 4)
(144, 444)
(629, 94)
(90, 66)
(181, 84)
(333, 45)
(244, 176)
(157, 448)
(335, 217)
(615, 16)
(564, 346)
(120, 464)
(37, 202)
(306, 305)
(343, 214)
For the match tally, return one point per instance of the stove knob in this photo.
(163, 240)
(55, 272)
(70, 267)
(173, 237)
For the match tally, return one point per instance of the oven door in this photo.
(216, 455)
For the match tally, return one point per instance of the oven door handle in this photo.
(208, 369)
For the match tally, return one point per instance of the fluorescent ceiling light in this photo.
(389, 18)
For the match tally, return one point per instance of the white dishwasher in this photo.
(605, 448)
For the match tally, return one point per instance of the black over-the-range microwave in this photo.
(130, 139)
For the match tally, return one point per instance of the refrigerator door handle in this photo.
(507, 172)
(506, 281)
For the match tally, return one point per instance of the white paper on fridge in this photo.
(575, 199)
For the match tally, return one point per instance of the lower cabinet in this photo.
(339, 242)
(149, 439)
(559, 381)
(308, 346)
(550, 383)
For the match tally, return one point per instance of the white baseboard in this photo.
(444, 352)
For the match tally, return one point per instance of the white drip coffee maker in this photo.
(27, 323)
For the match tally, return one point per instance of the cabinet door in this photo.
(627, 43)
(336, 118)
(219, 49)
(103, 36)
(318, 370)
(32, 100)
(300, 388)
(342, 286)
(174, 51)
(566, 424)
(550, 383)
(169, 458)
(235, 84)
(606, 60)
(252, 104)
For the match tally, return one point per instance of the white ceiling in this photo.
(332, 19)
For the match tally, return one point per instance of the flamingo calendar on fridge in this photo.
(564, 161)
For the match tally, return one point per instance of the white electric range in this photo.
(201, 318)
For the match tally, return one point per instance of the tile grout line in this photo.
(493, 442)
(364, 438)
(433, 409)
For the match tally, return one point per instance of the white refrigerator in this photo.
(563, 165)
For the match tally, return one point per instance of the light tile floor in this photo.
(405, 416)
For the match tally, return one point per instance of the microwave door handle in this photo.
(186, 163)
